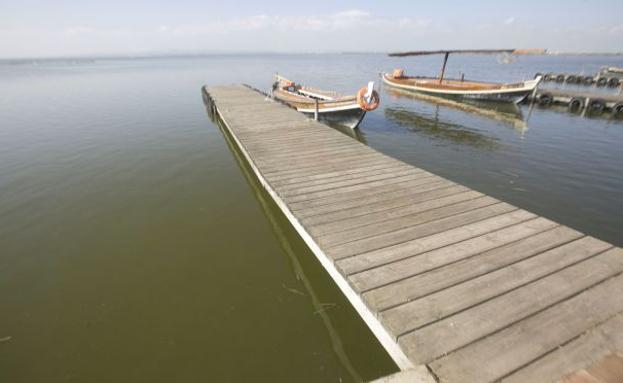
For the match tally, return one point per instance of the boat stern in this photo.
(531, 84)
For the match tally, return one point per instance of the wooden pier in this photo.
(456, 285)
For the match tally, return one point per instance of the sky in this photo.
(61, 28)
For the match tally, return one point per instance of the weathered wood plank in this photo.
(355, 188)
(451, 333)
(285, 174)
(277, 152)
(314, 159)
(407, 249)
(339, 175)
(532, 338)
(429, 213)
(397, 271)
(308, 151)
(283, 133)
(423, 283)
(434, 307)
(398, 236)
(351, 222)
(301, 166)
(282, 148)
(372, 197)
(363, 179)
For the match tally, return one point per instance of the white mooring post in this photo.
(316, 109)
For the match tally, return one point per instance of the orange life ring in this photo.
(365, 105)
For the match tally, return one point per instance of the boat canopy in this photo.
(447, 52)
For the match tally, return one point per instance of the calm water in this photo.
(135, 247)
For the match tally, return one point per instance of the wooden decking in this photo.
(474, 288)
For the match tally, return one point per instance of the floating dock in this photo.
(579, 100)
(610, 80)
(456, 285)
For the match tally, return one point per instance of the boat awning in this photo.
(442, 52)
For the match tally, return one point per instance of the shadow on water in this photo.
(506, 113)
(357, 134)
(437, 129)
(346, 332)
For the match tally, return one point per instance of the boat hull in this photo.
(333, 109)
(514, 94)
(350, 118)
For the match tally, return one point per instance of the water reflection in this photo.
(580, 112)
(357, 134)
(507, 113)
(433, 127)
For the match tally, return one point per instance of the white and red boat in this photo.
(327, 106)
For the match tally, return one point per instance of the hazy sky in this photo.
(36, 28)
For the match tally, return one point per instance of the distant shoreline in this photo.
(208, 54)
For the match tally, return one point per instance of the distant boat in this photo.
(460, 88)
(611, 71)
(327, 106)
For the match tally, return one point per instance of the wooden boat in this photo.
(327, 106)
(460, 88)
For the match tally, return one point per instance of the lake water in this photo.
(135, 247)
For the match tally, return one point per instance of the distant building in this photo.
(531, 51)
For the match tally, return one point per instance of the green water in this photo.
(135, 247)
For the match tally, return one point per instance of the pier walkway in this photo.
(456, 285)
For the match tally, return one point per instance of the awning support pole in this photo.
(443, 68)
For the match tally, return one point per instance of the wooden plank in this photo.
(283, 147)
(274, 133)
(254, 107)
(432, 280)
(362, 179)
(348, 190)
(287, 133)
(311, 158)
(407, 249)
(349, 174)
(292, 150)
(279, 152)
(434, 259)
(532, 338)
(301, 167)
(283, 133)
(582, 352)
(259, 118)
(345, 174)
(399, 236)
(452, 333)
(420, 312)
(284, 174)
(312, 162)
(371, 197)
(352, 221)
(431, 211)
